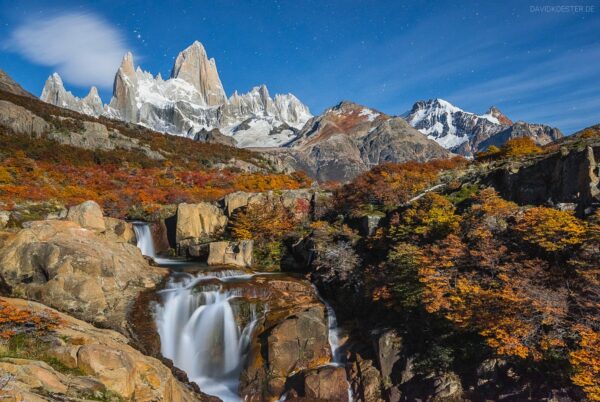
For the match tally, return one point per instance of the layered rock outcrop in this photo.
(77, 271)
(288, 198)
(198, 221)
(20, 120)
(569, 176)
(86, 363)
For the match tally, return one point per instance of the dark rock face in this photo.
(563, 177)
(294, 344)
(77, 271)
(327, 383)
(539, 133)
(214, 136)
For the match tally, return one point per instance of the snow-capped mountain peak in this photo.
(192, 99)
(467, 133)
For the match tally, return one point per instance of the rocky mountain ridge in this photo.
(467, 133)
(348, 139)
(191, 99)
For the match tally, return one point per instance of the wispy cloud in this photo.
(82, 47)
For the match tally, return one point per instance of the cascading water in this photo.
(334, 338)
(199, 332)
(144, 239)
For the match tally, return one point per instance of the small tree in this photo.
(520, 146)
(551, 229)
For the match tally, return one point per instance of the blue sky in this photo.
(536, 63)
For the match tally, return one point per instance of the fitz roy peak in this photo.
(190, 102)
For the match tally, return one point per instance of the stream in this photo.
(207, 316)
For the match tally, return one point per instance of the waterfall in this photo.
(333, 333)
(333, 336)
(199, 332)
(144, 239)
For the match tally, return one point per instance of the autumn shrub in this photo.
(390, 185)
(590, 133)
(586, 362)
(520, 146)
(119, 182)
(515, 147)
(431, 217)
(267, 223)
(550, 229)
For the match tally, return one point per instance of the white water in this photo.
(198, 328)
(198, 331)
(145, 243)
(333, 335)
(144, 239)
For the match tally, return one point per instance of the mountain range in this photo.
(193, 101)
(467, 133)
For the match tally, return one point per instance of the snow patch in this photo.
(370, 114)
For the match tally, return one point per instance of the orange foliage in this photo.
(391, 184)
(119, 188)
(474, 280)
(520, 146)
(586, 362)
(14, 321)
(263, 222)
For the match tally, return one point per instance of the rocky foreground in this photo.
(73, 360)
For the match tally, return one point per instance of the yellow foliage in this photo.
(520, 146)
(551, 229)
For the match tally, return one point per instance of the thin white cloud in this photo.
(82, 47)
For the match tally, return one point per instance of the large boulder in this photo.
(88, 215)
(326, 383)
(240, 199)
(195, 221)
(291, 341)
(230, 253)
(87, 361)
(365, 380)
(119, 231)
(290, 199)
(77, 271)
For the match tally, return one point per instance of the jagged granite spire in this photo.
(54, 92)
(193, 66)
(124, 90)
